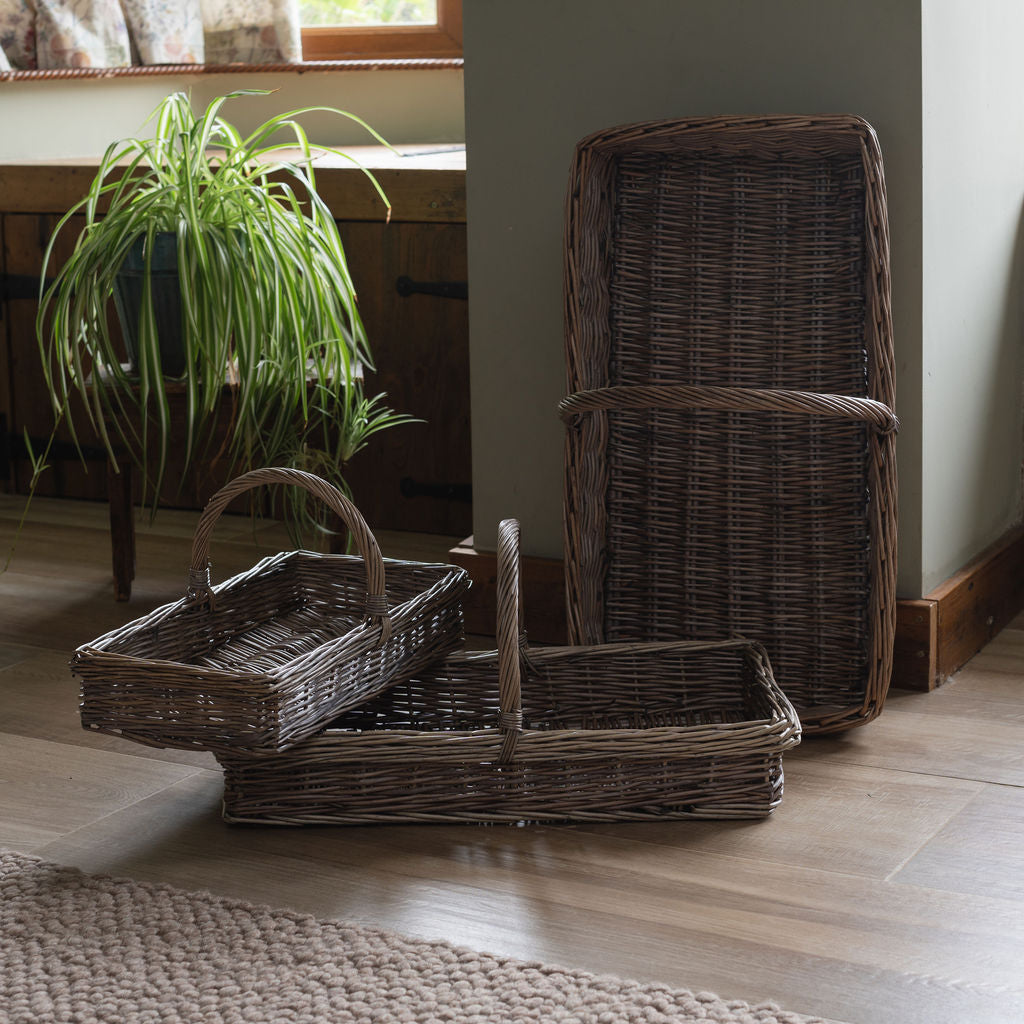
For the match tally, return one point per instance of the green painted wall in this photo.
(540, 75)
(973, 276)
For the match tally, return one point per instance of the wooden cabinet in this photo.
(26, 401)
(413, 477)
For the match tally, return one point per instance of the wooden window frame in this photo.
(440, 40)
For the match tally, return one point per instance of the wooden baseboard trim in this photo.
(974, 604)
(935, 636)
(916, 645)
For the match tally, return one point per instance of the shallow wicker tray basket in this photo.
(608, 733)
(730, 459)
(264, 659)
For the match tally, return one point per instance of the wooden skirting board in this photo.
(938, 634)
(935, 635)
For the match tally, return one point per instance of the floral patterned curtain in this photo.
(119, 33)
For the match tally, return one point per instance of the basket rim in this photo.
(775, 736)
(647, 134)
(447, 575)
(783, 719)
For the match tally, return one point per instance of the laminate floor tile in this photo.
(48, 790)
(978, 851)
(928, 742)
(894, 813)
(11, 654)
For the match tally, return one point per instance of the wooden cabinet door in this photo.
(417, 476)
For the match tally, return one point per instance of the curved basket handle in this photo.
(199, 571)
(510, 719)
(692, 396)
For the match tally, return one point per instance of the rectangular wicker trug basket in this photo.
(266, 658)
(626, 732)
(730, 460)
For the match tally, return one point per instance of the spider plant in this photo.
(266, 299)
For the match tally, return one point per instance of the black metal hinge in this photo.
(18, 286)
(406, 286)
(448, 492)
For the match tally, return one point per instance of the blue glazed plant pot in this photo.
(129, 288)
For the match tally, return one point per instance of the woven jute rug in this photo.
(83, 949)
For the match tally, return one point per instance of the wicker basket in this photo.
(266, 658)
(613, 733)
(730, 461)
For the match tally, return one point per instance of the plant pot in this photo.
(165, 292)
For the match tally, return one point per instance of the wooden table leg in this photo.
(122, 526)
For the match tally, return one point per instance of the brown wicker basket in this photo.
(267, 658)
(611, 733)
(730, 461)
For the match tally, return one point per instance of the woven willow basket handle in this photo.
(199, 571)
(687, 396)
(510, 718)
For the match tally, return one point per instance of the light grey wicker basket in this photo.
(267, 658)
(620, 732)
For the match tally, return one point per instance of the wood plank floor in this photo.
(888, 888)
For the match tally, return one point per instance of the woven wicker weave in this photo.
(730, 459)
(266, 658)
(608, 733)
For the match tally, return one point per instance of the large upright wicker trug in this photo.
(266, 658)
(625, 732)
(730, 456)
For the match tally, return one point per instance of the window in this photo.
(353, 29)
